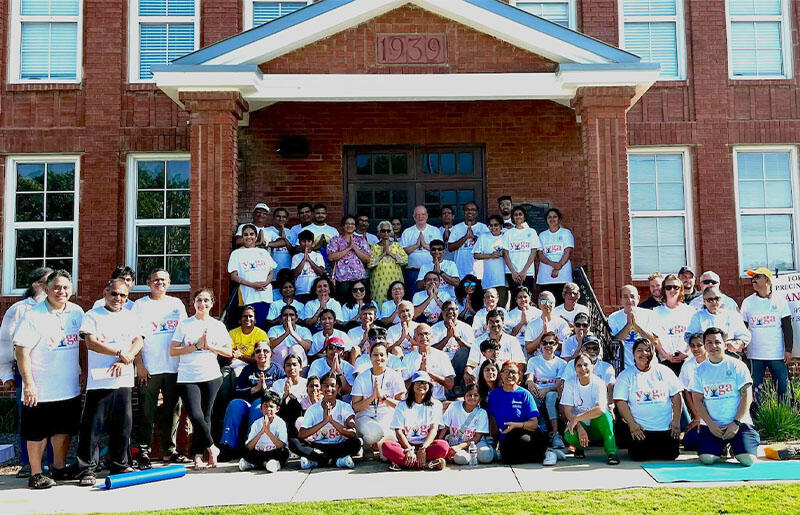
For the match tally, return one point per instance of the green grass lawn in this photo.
(782, 498)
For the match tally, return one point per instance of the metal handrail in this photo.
(598, 322)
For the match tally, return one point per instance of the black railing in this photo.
(598, 323)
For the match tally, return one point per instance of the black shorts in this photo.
(51, 418)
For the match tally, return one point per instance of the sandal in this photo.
(122, 471)
(87, 480)
(613, 459)
(178, 458)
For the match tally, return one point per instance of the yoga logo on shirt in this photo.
(256, 264)
(676, 329)
(165, 326)
(417, 431)
(762, 320)
(654, 395)
(553, 248)
(67, 342)
(327, 433)
(714, 391)
(519, 245)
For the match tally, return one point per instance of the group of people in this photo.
(385, 349)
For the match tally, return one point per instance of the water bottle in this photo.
(473, 454)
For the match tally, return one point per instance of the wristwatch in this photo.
(738, 424)
(195, 346)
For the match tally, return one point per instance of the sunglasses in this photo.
(118, 294)
(546, 301)
(468, 284)
(710, 281)
(712, 299)
(591, 348)
(385, 230)
(669, 287)
(549, 343)
(583, 325)
(261, 351)
(359, 290)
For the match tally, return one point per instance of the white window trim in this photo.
(687, 212)
(247, 14)
(794, 211)
(786, 41)
(9, 201)
(680, 36)
(573, 11)
(130, 209)
(133, 36)
(15, 43)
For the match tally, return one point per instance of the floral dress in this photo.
(350, 267)
(385, 270)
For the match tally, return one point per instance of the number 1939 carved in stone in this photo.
(411, 49)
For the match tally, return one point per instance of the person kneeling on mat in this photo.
(267, 442)
(722, 390)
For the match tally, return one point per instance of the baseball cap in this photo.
(334, 341)
(760, 271)
(686, 269)
(421, 375)
(263, 206)
(590, 338)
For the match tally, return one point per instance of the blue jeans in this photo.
(237, 412)
(777, 369)
(550, 402)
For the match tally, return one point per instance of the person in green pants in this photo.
(585, 398)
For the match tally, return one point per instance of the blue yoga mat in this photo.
(693, 471)
(145, 476)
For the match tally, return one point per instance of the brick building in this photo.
(680, 150)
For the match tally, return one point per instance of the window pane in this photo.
(178, 268)
(61, 177)
(448, 163)
(363, 198)
(150, 175)
(751, 194)
(59, 264)
(431, 196)
(382, 212)
(654, 42)
(400, 196)
(643, 197)
(670, 231)
(30, 207)
(49, 7)
(59, 242)
(449, 197)
(49, 50)
(776, 166)
(778, 194)
(399, 164)
(671, 258)
(670, 196)
(23, 268)
(780, 257)
(178, 174)
(30, 243)
(30, 176)
(178, 204)
(756, 48)
(754, 229)
(268, 11)
(779, 229)
(754, 256)
(670, 168)
(431, 163)
(644, 231)
(755, 7)
(60, 207)
(645, 260)
(178, 239)
(750, 165)
(465, 164)
(754, 190)
(144, 265)
(150, 205)
(381, 164)
(382, 197)
(166, 7)
(150, 240)
(642, 168)
(363, 164)
(649, 7)
(557, 12)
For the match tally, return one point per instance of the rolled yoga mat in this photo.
(693, 471)
(145, 476)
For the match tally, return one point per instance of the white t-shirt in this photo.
(312, 306)
(102, 302)
(720, 384)
(494, 270)
(356, 334)
(649, 395)
(320, 368)
(463, 255)
(276, 307)
(447, 267)
(289, 345)
(328, 434)
(557, 324)
(363, 362)
(391, 383)
(519, 243)
(463, 331)
(545, 372)
(554, 244)
(252, 264)
(265, 443)
(302, 282)
(602, 369)
(420, 256)
(569, 316)
(54, 343)
(323, 230)
(115, 329)
(437, 362)
(371, 238)
(763, 317)
(351, 314)
(698, 303)
(455, 417)
(11, 320)
(432, 311)
(417, 420)
(318, 341)
(671, 327)
(200, 365)
(281, 255)
(479, 325)
(387, 308)
(299, 390)
(509, 351)
(159, 319)
(688, 370)
(394, 332)
(644, 319)
(514, 317)
(583, 398)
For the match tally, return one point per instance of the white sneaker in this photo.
(306, 463)
(272, 466)
(550, 459)
(558, 442)
(245, 465)
(345, 462)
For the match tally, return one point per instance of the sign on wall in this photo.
(411, 49)
(789, 286)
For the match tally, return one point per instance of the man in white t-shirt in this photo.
(416, 242)
(428, 302)
(722, 391)
(510, 349)
(571, 294)
(520, 247)
(323, 233)
(362, 229)
(113, 338)
(448, 217)
(632, 322)
(305, 214)
(125, 273)
(260, 214)
(156, 370)
(281, 240)
(47, 346)
(504, 206)
(454, 337)
(433, 361)
(448, 271)
(769, 319)
(463, 238)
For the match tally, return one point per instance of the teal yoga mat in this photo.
(693, 471)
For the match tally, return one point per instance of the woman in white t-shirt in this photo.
(416, 423)
(673, 317)
(691, 433)
(288, 338)
(489, 250)
(321, 289)
(520, 246)
(547, 322)
(648, 397)
(376, 393)
(555, 267)
(585, 399)
(519, 317)
(397, 294)
(252, 268)
(197, 342)
(465, 422)
(292, 391)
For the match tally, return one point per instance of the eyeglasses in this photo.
(671, 287)
(710, 281)
(712, 299)
(546, 302)
(468, 284)
(359, 290)
(572, 293)
(582, 325)
(261, 351)
(549, 343)
(384, 230)
(118, 294)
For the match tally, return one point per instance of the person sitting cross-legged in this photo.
(267, 442)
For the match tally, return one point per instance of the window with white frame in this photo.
(45, 40)
(161, 31)
(557, 11)
(661, 233)
(766, 183)
(653, 30)
(759, 39)
(258, 12)
(41, 217)
(158, 216)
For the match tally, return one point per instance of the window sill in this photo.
(756, 81)
(44, 86)
(141, 86)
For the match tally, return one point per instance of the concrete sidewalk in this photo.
(227, 486)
